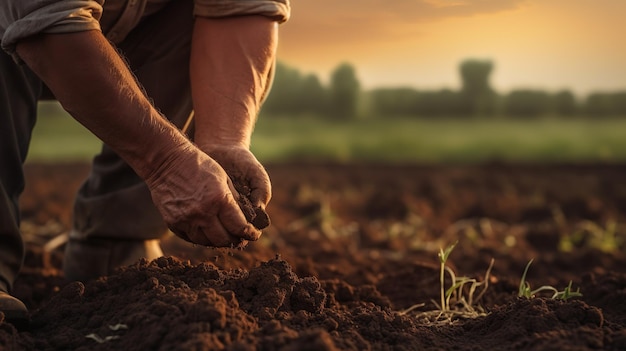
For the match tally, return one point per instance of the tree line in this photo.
(295, 93)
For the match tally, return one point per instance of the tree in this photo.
(440, 103)
(565, 103)
(600, 104)
(313, 96)
(394, 101)
(527, 103)
(292, 93)
(283, 95)
(344, 92)
(476, 93)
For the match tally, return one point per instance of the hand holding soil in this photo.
(250, 180)
(255, 215)
(193, 195)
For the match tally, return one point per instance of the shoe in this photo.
(87, 259)
(14, 310)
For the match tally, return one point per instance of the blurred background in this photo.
(430, 81)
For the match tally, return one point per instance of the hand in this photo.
(192, 193)
(249, 177)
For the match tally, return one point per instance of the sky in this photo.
(578, 45)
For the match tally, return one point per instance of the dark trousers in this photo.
(113, 203)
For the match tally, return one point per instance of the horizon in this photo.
(578, 95)
(547, 45)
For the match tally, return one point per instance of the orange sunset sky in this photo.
(545, 44)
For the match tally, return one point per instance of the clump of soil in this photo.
(255, 215)
(350, 248)
(172, 305)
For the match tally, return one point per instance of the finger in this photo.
(200, 239)
(235, 222)
(181, 232)
(260, 197)
(260, 190)
(231, 187)
(193, 234)
(214, 235)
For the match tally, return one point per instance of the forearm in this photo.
(231, 60)
(94, 85)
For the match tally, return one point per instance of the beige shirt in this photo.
(20, 19)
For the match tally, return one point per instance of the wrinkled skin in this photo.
(231, 60)
(197, 201)
(239, 163)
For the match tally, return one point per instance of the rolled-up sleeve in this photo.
(20, 19)
(279, 10)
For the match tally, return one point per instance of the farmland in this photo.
(350, 261)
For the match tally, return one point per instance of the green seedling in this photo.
(526, 291)
(443, 258)
(602, 238)
(567, 293)
(457, 301)
(605, 238)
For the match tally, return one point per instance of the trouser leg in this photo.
(114, 203)
(19, 91)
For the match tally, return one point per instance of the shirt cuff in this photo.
(52, 17)
(278, 10)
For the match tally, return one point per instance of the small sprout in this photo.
(567, 293)
(526, 291)
(100, 340)
(458, 300)
(443, 258)
(604, 238)
(524, 286)
(118, 327)
(443, 254)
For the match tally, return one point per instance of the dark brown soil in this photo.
(350, 248)
(255, 215)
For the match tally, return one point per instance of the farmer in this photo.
(120, 67)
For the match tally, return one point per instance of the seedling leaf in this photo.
(526, 291)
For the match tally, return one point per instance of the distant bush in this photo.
(606, 104)
(526, 103)
(411, 102)
(564, 103)
(394, 101)
(344, 92)
(294, 93)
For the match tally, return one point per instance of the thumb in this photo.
(253, 210)
(259, 198)
(232, 188)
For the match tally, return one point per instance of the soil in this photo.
(350, 262)
(255, 215)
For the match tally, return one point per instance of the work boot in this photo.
(15, 312)
(87, 259)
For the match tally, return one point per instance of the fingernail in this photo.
(252, 233)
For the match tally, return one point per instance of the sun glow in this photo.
(550, 43)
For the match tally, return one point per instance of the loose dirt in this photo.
(255, 215)
(349, 250)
